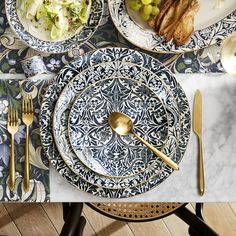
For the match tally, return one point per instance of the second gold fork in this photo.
(12, 127)
(27, 118)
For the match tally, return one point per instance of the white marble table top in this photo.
(219, 151)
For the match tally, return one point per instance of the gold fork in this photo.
(12, 127)
(27, 118)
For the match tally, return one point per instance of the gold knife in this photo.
(197, 128)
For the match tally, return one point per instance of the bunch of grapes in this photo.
(148, 9)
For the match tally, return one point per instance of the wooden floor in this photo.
(46, 220)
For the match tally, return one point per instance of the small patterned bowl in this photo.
(54, 46)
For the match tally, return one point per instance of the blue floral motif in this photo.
(3, 106)
(1, 20)
(3, 136)
(4, 154)
(54, 64)
(1, 174)
(20, 135)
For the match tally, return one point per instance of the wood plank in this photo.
(88, 230)
(30, 219)
(221, 218)
(105, 226)
(7, 227)
(153, 228)
(233, 207)
(55, 214)
(176, 226)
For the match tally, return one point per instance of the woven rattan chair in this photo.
(135, 212)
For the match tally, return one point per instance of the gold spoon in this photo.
(123, 125)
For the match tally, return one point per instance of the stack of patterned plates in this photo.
(74, 122)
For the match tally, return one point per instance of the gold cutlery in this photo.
(12, 127)
(197, 128)
(27, 118)
(123, 125)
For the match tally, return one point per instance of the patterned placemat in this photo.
(12, 50)
(11, 91)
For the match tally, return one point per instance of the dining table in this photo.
(200, 69)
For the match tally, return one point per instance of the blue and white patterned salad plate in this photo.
(91, 136)
(76, 136)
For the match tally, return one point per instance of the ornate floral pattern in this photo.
(91, 136)
(3, 107)
(71, 71)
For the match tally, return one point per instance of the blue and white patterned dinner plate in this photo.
(93, 140)
(33, 39)
(86, 78)
(221, 25)
(86, 61)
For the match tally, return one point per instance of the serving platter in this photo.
(69, 72)
(86, 78)
(37, 40)
(213, 11)
(211, 26)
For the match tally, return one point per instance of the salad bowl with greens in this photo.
(54, 26)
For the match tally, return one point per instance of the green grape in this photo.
(144, 16)
(155, 11)
(135, 5)
(146, 2)
(147, 10)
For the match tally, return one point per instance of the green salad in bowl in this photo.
(53, 19)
